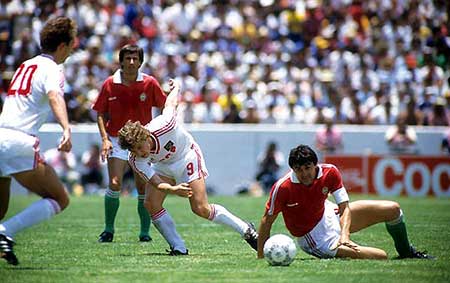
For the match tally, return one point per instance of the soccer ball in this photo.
(280, 250)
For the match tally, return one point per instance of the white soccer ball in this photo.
(280, 250)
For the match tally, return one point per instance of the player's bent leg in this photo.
(5, 184)
(199, 199)
(44, 182)
(362, 253)
(369, 212)
(162, 220)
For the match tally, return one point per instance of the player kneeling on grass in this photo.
(323, 228)
(164, 151)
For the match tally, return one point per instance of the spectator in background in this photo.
(269, 164)
(92, 176)
(65, 165)
(329, 138)
(401, 138)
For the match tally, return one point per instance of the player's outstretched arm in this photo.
(58, 106)
(182, 190)
(264, 232)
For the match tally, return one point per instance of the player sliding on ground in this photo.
(322, 227)
(164, 151)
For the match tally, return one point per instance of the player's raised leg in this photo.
(219, 214)
(368, 212)
(144, 216)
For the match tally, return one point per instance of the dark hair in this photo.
(302, 155)
(56, 31)
(131, 48)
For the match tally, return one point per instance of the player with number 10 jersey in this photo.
(26, 105)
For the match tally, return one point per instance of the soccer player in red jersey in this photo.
(126, 95)
(323, 228)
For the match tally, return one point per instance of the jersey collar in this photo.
(294, 178)
(117, 78)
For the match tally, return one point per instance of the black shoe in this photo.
(145, 238)
(418, 254)
(173, 252)
(251, 236)
(105, 237)
(6, 249)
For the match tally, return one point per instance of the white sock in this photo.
(165, 225)
(221, 215)
(37, 212)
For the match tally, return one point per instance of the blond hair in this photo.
(131, 134)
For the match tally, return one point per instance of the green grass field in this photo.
(65, 249)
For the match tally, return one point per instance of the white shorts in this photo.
(189, 168)
(319, 241)
(117, 151)
(19, 152)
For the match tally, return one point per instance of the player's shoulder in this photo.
(149, 78)
(329, 170)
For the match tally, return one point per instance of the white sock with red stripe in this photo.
(221, 215)
(166, 226)
(37, 212)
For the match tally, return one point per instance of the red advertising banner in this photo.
(394, 175)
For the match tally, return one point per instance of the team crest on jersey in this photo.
(324, 190)
(168, 146)
(142, 97)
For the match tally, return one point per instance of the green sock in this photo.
(143, 216)
(397, 230)
(112, 203)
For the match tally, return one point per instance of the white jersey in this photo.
(26, 105)
(176, 153)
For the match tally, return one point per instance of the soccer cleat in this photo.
(173, 252)
(6, 249)
(105, 237)
(251, 236)
(145, 238)
(418, 254)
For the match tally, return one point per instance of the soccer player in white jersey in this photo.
(164, 150)
(35, 91)
(323, 228)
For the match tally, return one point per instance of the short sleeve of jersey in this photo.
(100, 105)
(142, 167)
(334, 179)
(275, 202)
(53, 79)
(159, 95)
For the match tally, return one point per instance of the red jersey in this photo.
(303, 206)
(128, 102)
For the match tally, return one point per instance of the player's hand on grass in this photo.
(347, 243)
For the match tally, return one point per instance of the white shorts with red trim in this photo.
(189, 168)
(19, 152)
(117, 151)
(319, 241)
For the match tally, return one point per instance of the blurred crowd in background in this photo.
(266, 61)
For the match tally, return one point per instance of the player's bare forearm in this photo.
(101, 121)
(264, 232)
(58, 106)
(172, 98)
(345, 221)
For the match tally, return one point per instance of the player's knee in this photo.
(200, 210)
(115, 184)
(393, 209)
